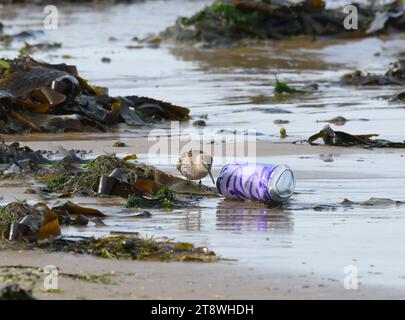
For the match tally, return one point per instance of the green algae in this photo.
(132, 202)
(131, 248)
(165, 193)
(229, 16)
(283, 87)
(57, 183)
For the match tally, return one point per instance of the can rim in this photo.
(274, 179)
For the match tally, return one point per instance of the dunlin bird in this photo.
(195, 165)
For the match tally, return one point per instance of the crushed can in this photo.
(257, 182)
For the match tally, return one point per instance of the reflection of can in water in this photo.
(257, 182)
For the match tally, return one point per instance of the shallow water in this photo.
(234, 87)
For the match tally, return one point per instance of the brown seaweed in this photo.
(344, 139)
(110, 175)
(105, 175)
(227, 22)
(130, 248)
(41, 230)
(395, 75)
(15, 292)
(37, 96)
(20, 221)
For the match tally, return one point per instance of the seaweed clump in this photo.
(42, 97)
(164, 199)
(394, 75)
(228, 21)
(283, 87)
(130, 248)
(344, 139)
(110, 175)
(23, 226)
(20, 221)
(15, 292)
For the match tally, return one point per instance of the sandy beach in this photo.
(158, 280)
(344, 219)
(276, 270)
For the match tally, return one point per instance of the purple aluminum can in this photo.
(256, 182)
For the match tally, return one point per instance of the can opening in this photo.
(282, 184)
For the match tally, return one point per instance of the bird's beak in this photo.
(209, 171)
(212, 178)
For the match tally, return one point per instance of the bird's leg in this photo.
(189, 185)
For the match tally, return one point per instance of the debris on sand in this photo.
(144, 215)
(15, 292)
(16, 160)
(395, 75)
(42, 97)
(105, 175)
(14, 152)
(23, 226)
(199, 123)
(228, 21)
(398, 97)
(380, 202)
(130, 247)
(338, 121)
(28, 227)
(359, 78)
(164, 199)
(283, 133)
(119, 144)
(397, 69)
(110, 175)
(74, 209)
(20, 221)
(281, 121)
(343, 139)
(284, 88)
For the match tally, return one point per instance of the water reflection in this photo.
(249, 216)
(279, 56)
(191, 221)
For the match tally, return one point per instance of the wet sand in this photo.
(299, 251)
(155, 280)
